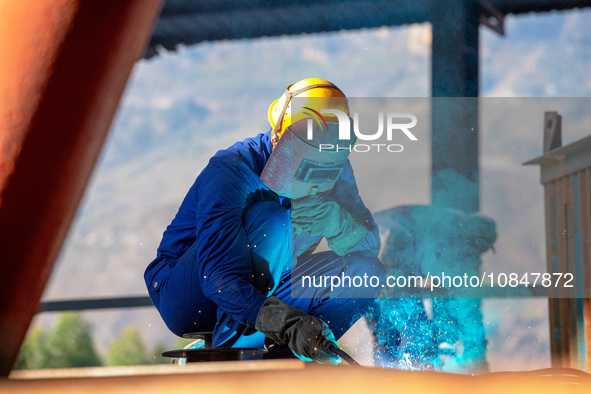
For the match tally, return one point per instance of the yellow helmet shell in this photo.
(324, 96)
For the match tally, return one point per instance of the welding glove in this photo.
(304, 334)
(321, 216)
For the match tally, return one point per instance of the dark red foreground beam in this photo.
(65, 64)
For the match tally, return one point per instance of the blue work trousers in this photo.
(184, 307)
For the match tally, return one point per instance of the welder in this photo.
(249, 227)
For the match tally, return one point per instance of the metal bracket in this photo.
(492, 18)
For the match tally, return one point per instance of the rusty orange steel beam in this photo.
(64, 66)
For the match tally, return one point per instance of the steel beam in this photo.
(189, 22)
(64, 67)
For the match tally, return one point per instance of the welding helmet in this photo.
(309, 158)
(313, 94)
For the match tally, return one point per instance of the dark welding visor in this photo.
(316, 173)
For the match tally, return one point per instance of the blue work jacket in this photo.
(211, 216)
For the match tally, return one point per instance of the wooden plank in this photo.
(573, 311)
(587, 335)
(551, 227)
(578, 339)
(576, 257)
(585, 214)
(586, 220)
(562, 267)
(552, 266)
(584, 231)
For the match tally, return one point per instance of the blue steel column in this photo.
(454, 182)
(454, 150)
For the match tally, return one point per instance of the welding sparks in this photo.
(444, 334)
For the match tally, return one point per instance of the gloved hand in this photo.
(321, 216)
(304, 334)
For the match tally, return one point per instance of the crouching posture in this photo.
(233, 257)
